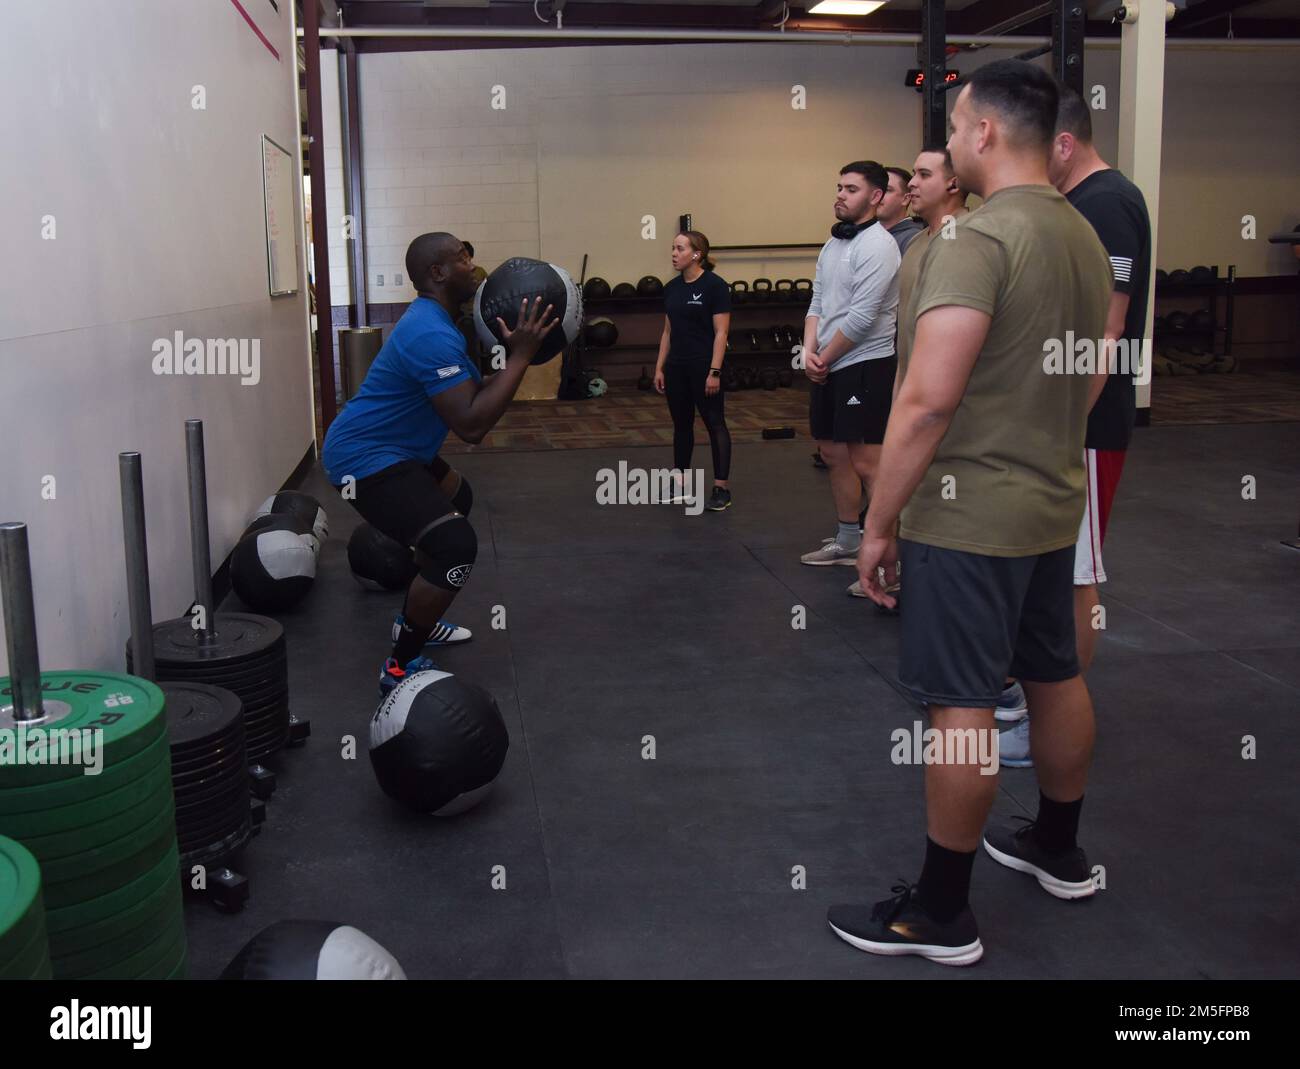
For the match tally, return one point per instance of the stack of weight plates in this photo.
(106, 842)
(246, 655)
(24, 950)
(209, 772)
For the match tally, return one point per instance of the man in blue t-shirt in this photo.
(383, 447)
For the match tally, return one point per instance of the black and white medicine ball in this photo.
(438, 743)
(282, 521)
(302, 506)
(272, 570)
(505, 290)
(312, 950)
(379, 562)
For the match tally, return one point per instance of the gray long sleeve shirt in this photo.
(855, 292)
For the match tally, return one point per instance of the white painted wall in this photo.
(160, 228)
(593, 138)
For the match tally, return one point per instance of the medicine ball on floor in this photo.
(283, 522)
(312, 950)
(302, 507)
(437, 743)
(507, 288)
(273, 570)
(379, 562)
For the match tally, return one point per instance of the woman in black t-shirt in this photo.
(697, 313)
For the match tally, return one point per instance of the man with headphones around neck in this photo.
(848, 349)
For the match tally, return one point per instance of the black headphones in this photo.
(848, 231)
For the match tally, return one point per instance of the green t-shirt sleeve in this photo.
(967, 270)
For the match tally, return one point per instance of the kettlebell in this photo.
(761, 291)
(740, 293)
(803, 289)
(754, 344)
(783, 290)
(645, 382)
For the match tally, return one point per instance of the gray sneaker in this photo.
(1013, 746)
(1012, 705)
(831, 553)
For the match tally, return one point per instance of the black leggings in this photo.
(684, 388)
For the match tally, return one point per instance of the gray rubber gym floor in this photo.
(773, 744)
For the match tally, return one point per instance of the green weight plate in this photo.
(27, 960)
(165, 966)
(87, 840)
(80, 815)
(20, 897)
(126, 713)
(70, 964)
(91, 911)
(156, 903)
(45, 972)
(72, 879)
(239, 637)
(162, 943)
(83, 788)
(178, 973)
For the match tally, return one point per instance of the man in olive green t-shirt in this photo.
(983, 461)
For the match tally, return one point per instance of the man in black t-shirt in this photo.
(1118, 213)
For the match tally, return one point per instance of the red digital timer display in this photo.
(916, 77)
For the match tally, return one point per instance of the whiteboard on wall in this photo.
(281, 234)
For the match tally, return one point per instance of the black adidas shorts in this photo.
(853, 404)
(969, 621)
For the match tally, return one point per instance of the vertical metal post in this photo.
(353, 192)
(934, 67)
(20, 623)
(137, 564)
(199, 524)
(319, 215)
(1067, 43)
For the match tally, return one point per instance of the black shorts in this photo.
(853, 404)
(970, 621)
(404, 500)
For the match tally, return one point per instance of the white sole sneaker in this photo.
(964, 955)
(1051, 884)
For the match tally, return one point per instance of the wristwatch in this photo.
(715, 371)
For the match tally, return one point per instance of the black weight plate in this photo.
(232, 678)
(197, 772)
(215, 833)
(213, 750)
(271, 720)
(196, 712)
(210, 856)
(102, 908)
(271, 736)
(239, 637)
(234, 800)
(199, 790)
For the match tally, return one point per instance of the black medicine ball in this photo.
(379, 562)
(273, 569)
(649, 286)
(595, 289)
(506, 289)
(624, 289)
(312, 950)
(600, 333)
(437, 743)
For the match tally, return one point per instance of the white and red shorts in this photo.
(1104, 467)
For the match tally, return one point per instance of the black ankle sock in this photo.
(410, 641)
(944, 886)
(1057, 824)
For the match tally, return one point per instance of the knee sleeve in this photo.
(447, 551)
(463, 499)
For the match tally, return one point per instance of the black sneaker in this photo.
(720, 500)
(818, 462)
(900, 926)
(1065, 875)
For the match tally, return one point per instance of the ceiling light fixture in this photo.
(846, 7)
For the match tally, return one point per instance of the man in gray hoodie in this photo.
(848, 349)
